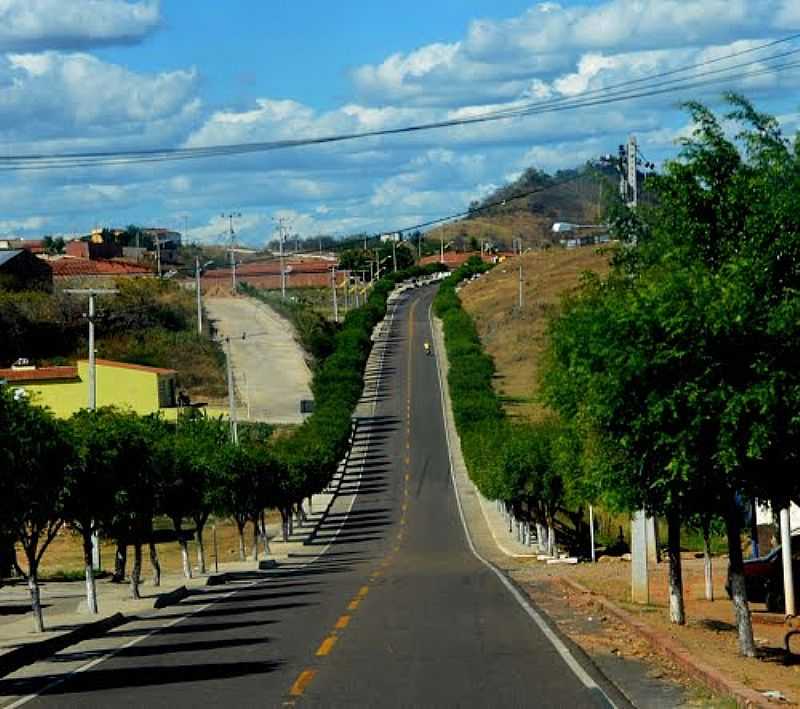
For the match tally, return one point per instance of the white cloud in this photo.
(33, 25)
(14, 226)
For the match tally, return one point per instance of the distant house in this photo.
(79, 272)
(453, 259)
(65, 390)
(21, 270)
(92, 250)
(35, 246)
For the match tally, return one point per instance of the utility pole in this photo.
(230, 217)
(158, 254)
(335, 302)
(231, 394)
(633, 191)
(394, 254)
(441, 246)
(197, 292)
(280, 221)
(520, 285)
(93, 293)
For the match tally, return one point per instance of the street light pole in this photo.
(231, 394)
(335, 302)
(230, 216)
(197, 289)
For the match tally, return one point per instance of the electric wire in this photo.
(595, 97)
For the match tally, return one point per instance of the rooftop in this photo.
(39, 374)
(68, 266)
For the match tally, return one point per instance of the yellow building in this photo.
(65, 390)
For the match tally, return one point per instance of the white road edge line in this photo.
(93, 663)
(557, 643)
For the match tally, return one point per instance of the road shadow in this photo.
(100, 680)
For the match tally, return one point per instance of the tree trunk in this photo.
(264, 533)
(254, 522)
(120, 562)
(707, 566)
(240, 527)
(187, 566)
(201, 551)
(136, 572)
(155, 564)
(91, 588)
(284, 525)
(36, 599)
(736, 580)
(677, 614)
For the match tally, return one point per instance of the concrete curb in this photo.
(678, 653)
(171, 597)
(42, 649)
(333, 488)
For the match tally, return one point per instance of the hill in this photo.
(568, 195)
(514, 338)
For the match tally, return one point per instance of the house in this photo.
(35, 246)
(92, 249)
(21, 270)
(79, 272)
(65, 390)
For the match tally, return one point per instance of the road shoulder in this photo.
(638, 674)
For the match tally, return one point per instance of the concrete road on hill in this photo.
(270, 372)
(389, 608)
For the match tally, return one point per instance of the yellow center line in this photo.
(302, 682)
(342, 623)
(353, 605)
(363, 591)
(327, 646)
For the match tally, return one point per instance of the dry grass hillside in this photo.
(516, 339)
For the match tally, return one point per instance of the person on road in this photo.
(427, 347)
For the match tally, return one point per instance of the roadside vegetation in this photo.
(669, 383)
(118, 474)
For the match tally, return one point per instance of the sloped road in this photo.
(396, 611)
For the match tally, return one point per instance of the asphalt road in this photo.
(397, 611)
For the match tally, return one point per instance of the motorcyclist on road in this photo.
(427, 347)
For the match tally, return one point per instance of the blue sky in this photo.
(137, 74)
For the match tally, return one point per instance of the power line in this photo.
(606, 95)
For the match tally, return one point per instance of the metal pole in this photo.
(394, 255)
(632, 176)
(591, 531)
(158, 254)
(197, 292)
(441, 247)
(231, 394)
(92, 361)
(283, 269)
(335, 302)
(520, 286)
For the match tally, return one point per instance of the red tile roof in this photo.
(272, 267)
(137, 367)
(39, 374)
(84, 267)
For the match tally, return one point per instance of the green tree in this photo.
(683, 359)
(92, 484)
(36, 459)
